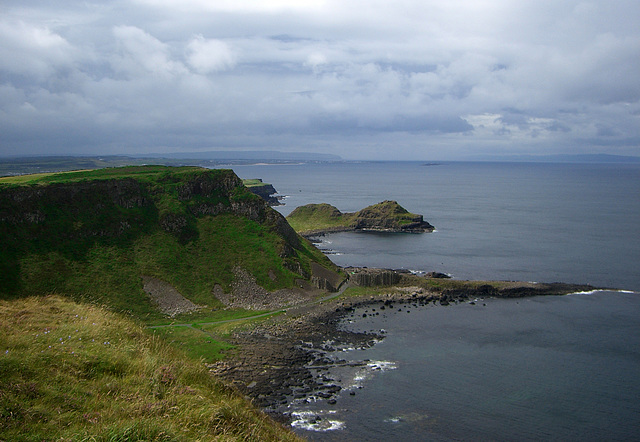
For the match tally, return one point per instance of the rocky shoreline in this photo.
(288, 359)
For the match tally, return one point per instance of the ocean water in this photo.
(552, 368)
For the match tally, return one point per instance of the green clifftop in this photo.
(95, 234)
(385, 216)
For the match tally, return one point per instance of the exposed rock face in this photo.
(266, 192)
(325, 279)
(389, 215)
(246, 293)
(67, 217)
(86, 209)
(364, 277)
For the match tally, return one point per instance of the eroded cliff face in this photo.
(121, 207)
(46, 216)
(60, 225)
(266, 192)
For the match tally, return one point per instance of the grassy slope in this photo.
(76, 372)
(324, 216)
(107, 269)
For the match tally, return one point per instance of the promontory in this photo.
(387, 216)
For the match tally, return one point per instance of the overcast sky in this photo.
(363, 79)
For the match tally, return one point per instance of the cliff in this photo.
(96, 234)
(387, 216)
(265, 191)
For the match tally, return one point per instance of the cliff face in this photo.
(263, 190)
(187, 226)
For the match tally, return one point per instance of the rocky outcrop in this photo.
(267, 192)
(387, 216)
(325, 279)
(365, 277)
(66, 221)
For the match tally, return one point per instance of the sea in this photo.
(542, 368)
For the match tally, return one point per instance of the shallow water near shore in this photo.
(541, 368)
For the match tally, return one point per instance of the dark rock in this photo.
(437, 275)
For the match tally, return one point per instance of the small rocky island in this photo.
(387, 216)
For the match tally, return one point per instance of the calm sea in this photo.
(559, 368)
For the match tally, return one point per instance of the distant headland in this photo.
(387, 216)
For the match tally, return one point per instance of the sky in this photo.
(363, 79)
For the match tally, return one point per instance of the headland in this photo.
(388, 216)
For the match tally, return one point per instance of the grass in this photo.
(254, 182)
(207, 339)
(314, 217)
(196, 343)
(95, 241)
(150, 173)
(70, 371)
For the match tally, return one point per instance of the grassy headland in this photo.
(77, 372)
(92, 235)
(384, 216)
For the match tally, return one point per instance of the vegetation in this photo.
(92, 234)
(387, 215)
(77, 372)
(254, 182)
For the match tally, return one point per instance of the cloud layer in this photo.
(409, 79)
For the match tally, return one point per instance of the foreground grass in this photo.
(70, 371)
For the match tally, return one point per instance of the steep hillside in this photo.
(385, 216)
(96, 234)
(76, 372)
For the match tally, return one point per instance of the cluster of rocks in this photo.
(169, 301)
(287, 361)
(290, 359)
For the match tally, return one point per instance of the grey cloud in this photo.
(141, 75)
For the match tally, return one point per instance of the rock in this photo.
(437, 275)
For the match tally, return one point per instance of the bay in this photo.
(523, 221)
(553, 368)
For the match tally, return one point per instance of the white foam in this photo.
(591, 292)
(315, 421)
(365, 372)
(382, 365)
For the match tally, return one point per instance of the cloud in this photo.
(140, 53)
(206, 56)
(363, 77)
(32, 50)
